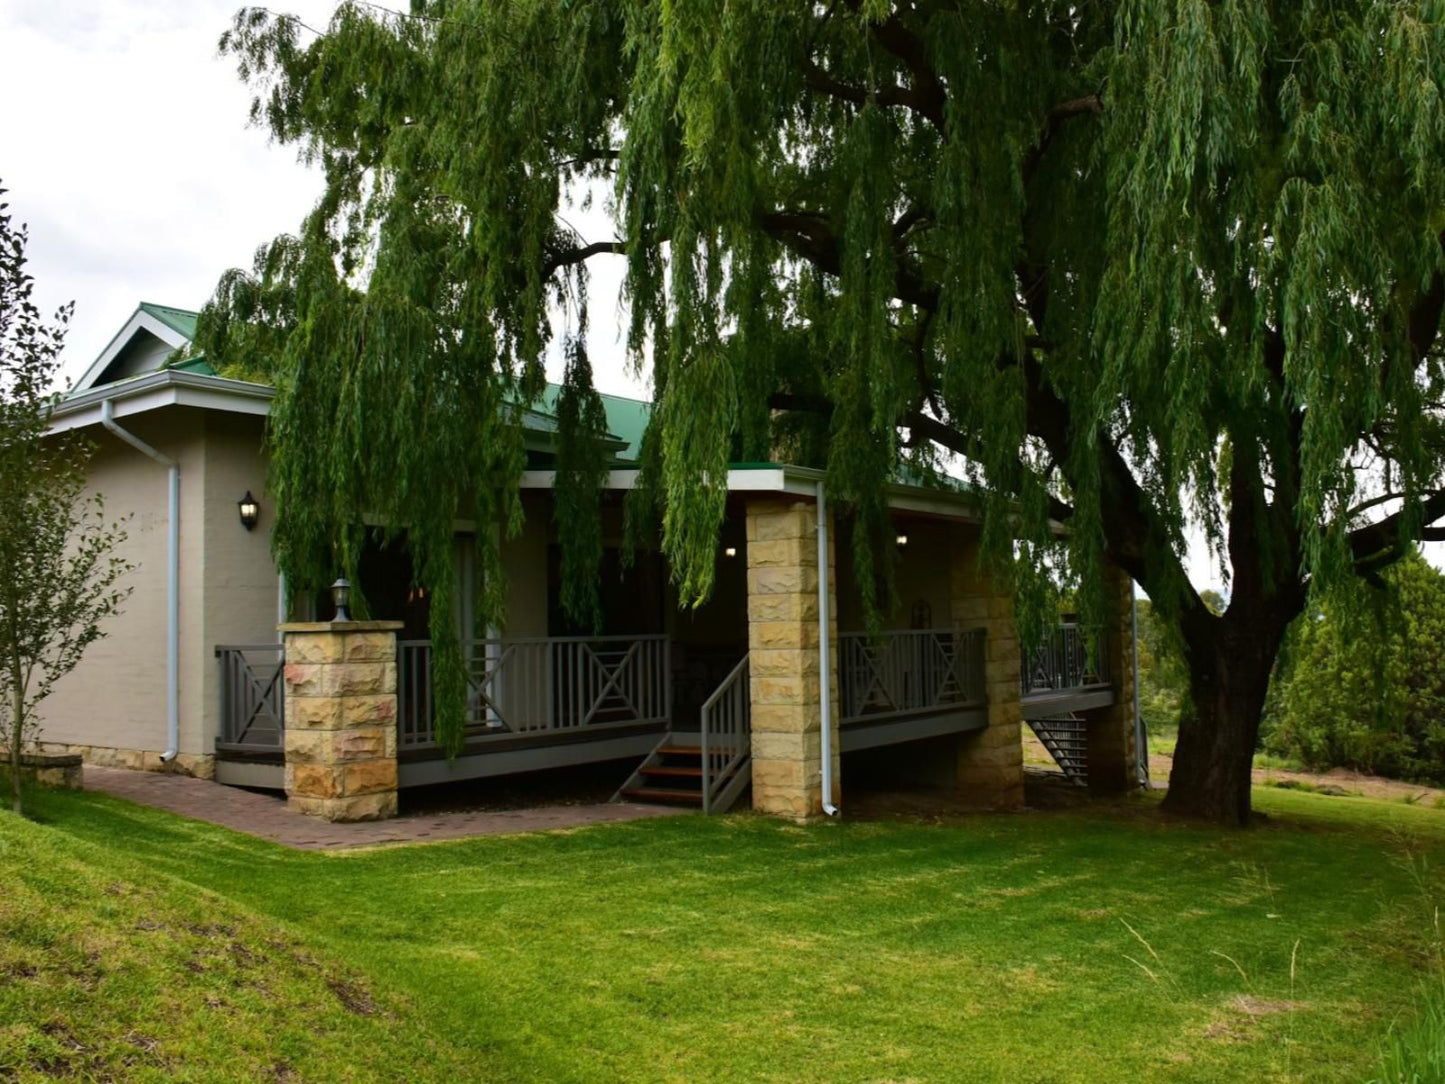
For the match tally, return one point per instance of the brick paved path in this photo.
(267, 817)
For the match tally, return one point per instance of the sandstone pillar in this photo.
(990, 761)
(1112, 746)
(784, 668)
(341, 719)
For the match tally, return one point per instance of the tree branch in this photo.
(808, 404)
(1380, 543)
(948, 437)
(810, 236)
(579, 255)
(1424, 323)
(590, 154)
(821, 80)
(919, 423)
(1074, 107)
(908, 219)
(927, 96)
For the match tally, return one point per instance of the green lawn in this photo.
(1103, 944)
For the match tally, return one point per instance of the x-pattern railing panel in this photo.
(542, 684)
(1070, 656)
(253, 711)
(909, 672)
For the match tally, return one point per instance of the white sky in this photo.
(124, 144)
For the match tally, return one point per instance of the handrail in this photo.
(726, 714)
(648, 637)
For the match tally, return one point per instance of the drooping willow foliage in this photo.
(1125, 263)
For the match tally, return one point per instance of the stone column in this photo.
(782, 548)
(990, 761)
(1112, 749)
(341, 719)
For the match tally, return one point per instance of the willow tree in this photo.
(1134, 265)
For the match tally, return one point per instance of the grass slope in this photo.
(110, 971)
(1104, 944)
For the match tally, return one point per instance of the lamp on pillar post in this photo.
(341, 598)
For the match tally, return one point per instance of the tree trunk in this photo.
(17, 731)
(17, 736)
(1229, 670)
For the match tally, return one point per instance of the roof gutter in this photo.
(173, 560)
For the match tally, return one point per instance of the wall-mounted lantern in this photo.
(250, 510)
(341, 599)
(902, 540)
(730, 551)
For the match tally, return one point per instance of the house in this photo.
(741, 696)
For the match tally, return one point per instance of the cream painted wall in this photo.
(922, 574)
(525, 559)
(240, 580)
(117, 695)
(721, 623)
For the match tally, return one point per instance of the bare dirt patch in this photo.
(1262, 1006)
(1341, 782)
(1338, 781)
(354, 996)
(1245, 1013)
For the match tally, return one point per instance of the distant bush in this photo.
(1364, 686)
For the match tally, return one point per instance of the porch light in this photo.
(341, 598)
(249, 509)
(730, 551)
(902, 540)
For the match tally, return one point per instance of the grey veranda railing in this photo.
(726, 733)
(253, 695)
(913, 672)
(1067, 658)
(573, 684)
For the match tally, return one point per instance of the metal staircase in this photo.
(708, 769)
(1067, 742)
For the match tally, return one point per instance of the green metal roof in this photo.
(181, 321)
(197, 364)
(626, 418)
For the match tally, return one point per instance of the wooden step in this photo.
(681, 773)
(680, 750)
(663, 794)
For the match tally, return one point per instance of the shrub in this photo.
(1365, 685)
(1415, 1054)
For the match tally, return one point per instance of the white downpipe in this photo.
(173, 578)
(825, 675)
(1141, 733)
